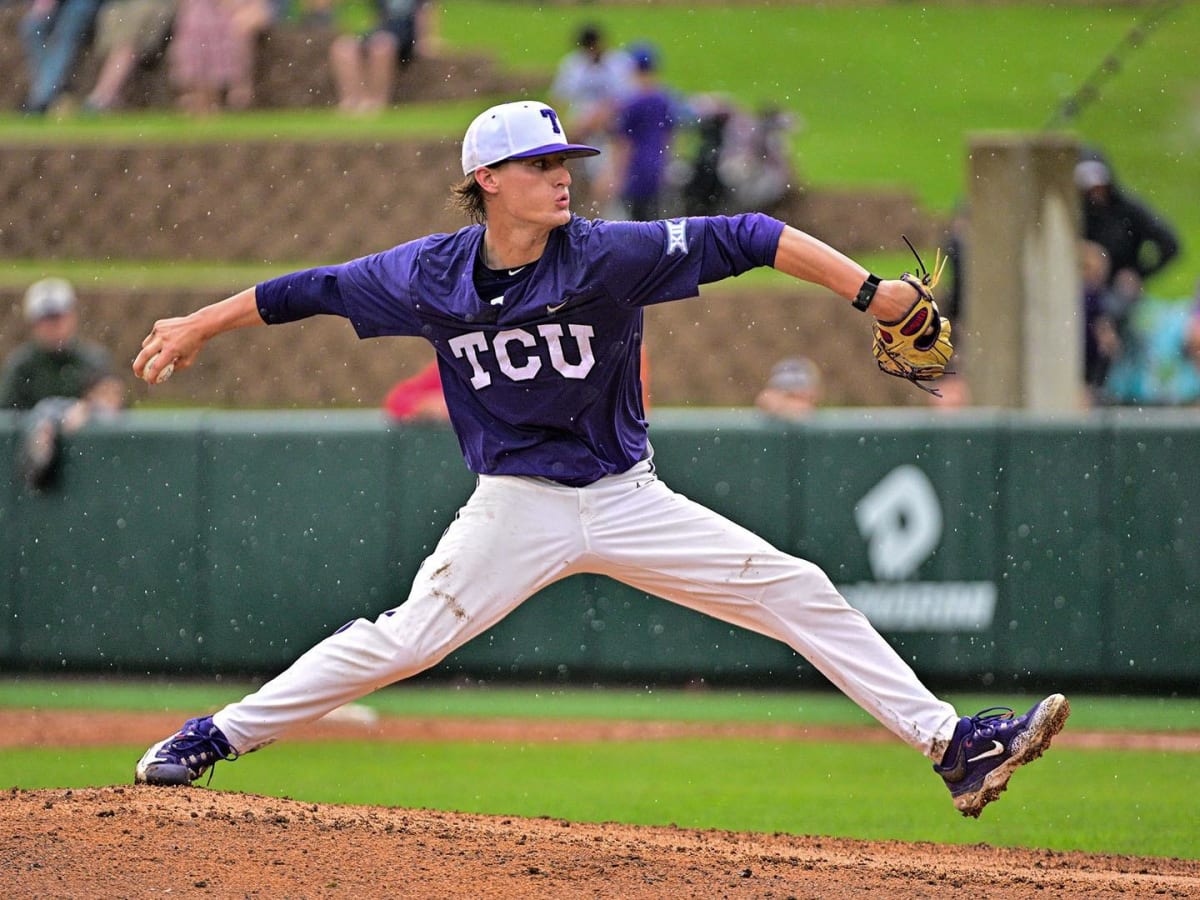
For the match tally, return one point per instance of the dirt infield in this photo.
(147, 842)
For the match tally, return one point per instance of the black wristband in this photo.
(866, 293)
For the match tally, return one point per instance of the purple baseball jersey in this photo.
(541, 372)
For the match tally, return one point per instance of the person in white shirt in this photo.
(588, 88)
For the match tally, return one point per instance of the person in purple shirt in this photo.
(536, 317)
(644, 127)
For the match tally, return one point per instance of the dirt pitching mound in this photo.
(146, 842)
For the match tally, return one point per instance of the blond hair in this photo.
(467, 197)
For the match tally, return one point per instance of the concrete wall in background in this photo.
(1023, 294)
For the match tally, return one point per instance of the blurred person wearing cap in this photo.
(536, 317)
(644, 126)
(793, 390)
(56, 362)
(59, 380)
(1138, 241)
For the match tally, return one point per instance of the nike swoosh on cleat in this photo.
(997, 750)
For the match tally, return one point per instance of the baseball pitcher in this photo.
(536, 317)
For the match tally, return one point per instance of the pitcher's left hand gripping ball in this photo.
(917, 346)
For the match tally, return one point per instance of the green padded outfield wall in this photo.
(107, 570)
(1152, 618)
(905, 520)
(1054, 530)
(298, 531)
(986, 546)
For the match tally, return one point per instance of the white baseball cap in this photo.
(49, 297)
(796, 373)
(1091, 173)
(518, 130)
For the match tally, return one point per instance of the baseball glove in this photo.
(917, 346)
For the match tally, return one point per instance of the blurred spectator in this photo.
(755, 163)
(40, 450)
(53, 32)
(703, 191)
(56, 362)
(1138, 241)
(792, 391)
(1191, 343)
(953, 392)
(60, 379)
(742, 161)
(588, 85)
(644, 125)
(1107, 315)
(212, 52)
(128, 33)
(1166, 370)
(950, 295)
(1100, 342)
(365, 66)
(418, 398)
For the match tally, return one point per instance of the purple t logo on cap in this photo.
(515, 131)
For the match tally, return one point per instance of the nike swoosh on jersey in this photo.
(553, 309)
(997, 750)
(515, 271)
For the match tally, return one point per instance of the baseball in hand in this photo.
(164, 374)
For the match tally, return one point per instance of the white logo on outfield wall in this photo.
(901, 520)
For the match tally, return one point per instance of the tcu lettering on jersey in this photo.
(519, 354)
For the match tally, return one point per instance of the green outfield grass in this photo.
(899, 115)
(1095, 713)
(1100, 801)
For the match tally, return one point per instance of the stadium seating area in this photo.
(291, 72)
(287, 203)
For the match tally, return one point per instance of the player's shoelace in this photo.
(198, 751)
(986, 721)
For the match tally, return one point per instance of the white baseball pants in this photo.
(516, 535)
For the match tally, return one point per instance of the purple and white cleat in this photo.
(184, 756)
(989, 746)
